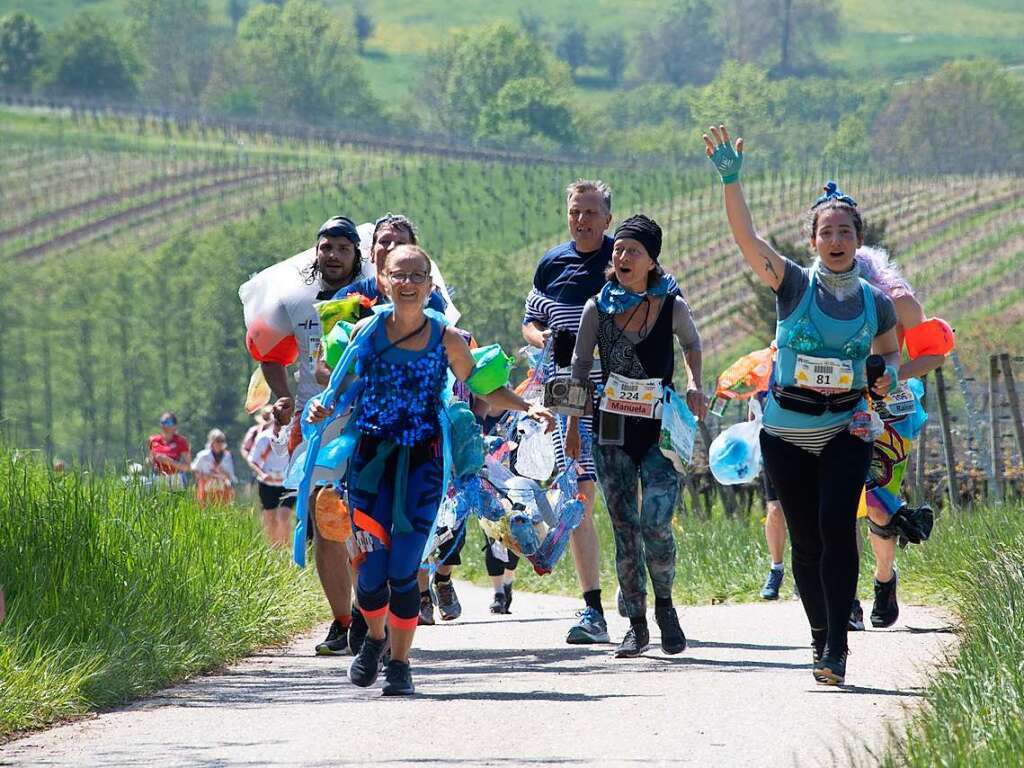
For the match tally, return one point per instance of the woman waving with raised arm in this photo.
(818, 431)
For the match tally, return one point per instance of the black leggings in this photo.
(819, 497)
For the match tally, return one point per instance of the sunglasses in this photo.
(168, 423)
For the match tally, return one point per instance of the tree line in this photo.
(762, 65)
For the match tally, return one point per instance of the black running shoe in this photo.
(357, 632)
(336, 642)
(426, 617)
(831, 669)
(636, 641)
(672, 638)
(885, 610)
(367, 664)
(508, 597)
(818, 638)
(448, 604)
(398, 679)
(856, 617)
(498, 604)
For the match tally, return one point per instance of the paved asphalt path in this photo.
(508, 691)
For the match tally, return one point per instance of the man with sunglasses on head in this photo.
(333, 263)
(567, 276)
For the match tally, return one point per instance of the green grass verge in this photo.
(975, 706)
(113, 592)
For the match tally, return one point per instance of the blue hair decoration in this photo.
(833, 192)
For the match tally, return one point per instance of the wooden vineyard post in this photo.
(922, 448)
(995, 490)
(1014, 401)
(728, 496)
(947, 440)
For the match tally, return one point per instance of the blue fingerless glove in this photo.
(728, 161)
(894, 378)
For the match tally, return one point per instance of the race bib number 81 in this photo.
(631, 397)
(824, 374)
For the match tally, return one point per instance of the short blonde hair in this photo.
(590, 185)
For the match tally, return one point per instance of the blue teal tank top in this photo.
(402, 388)
(809, 331)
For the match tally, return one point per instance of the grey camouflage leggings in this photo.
(644, 537)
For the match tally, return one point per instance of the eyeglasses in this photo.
(417, 278)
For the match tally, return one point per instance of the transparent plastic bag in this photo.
(735, 455)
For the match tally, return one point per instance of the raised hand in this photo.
(726, 159)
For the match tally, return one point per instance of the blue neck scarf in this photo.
(614, 298)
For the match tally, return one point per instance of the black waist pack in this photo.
(813, 403)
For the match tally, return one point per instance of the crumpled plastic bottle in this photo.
(868, 421)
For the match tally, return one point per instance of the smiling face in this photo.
(588, 219)
(632, 264)
(836, 239)
(336, 258)
(403, 267)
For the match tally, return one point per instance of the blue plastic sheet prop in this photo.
(313, 433)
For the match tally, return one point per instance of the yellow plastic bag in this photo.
(258, 395)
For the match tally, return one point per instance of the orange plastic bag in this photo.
(747, 376)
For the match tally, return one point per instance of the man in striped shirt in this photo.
(567, 276)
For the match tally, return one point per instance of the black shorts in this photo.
(270, 496)
(767, 487)
(450, 553)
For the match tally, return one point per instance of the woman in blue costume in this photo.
(817, 442)
(396, 481)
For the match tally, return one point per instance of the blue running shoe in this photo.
(591, 628)
(770, 590)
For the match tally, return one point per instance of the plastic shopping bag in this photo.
(735, 455)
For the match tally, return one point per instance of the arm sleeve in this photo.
(684, 327)
(536, 310)
(885, 310)
(586, 340)
(794, 281)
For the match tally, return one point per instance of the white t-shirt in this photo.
(270, 454)
(205, 464)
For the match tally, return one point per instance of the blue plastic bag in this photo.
(735, 455)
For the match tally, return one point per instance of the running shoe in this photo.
(357, 632)
(831, 669)
(620, 603)
(856, 617)
(447, 601)
(636, 641)
(817, 646)
(507, 588)
(368, 662)
(498, 604)
(398, 679)
(672, 638)
(885, 610)
(770, 590)
(591, 628)
(426, 617)
(336, 642)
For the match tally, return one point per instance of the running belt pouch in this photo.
(562, 347)
(810, 402)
